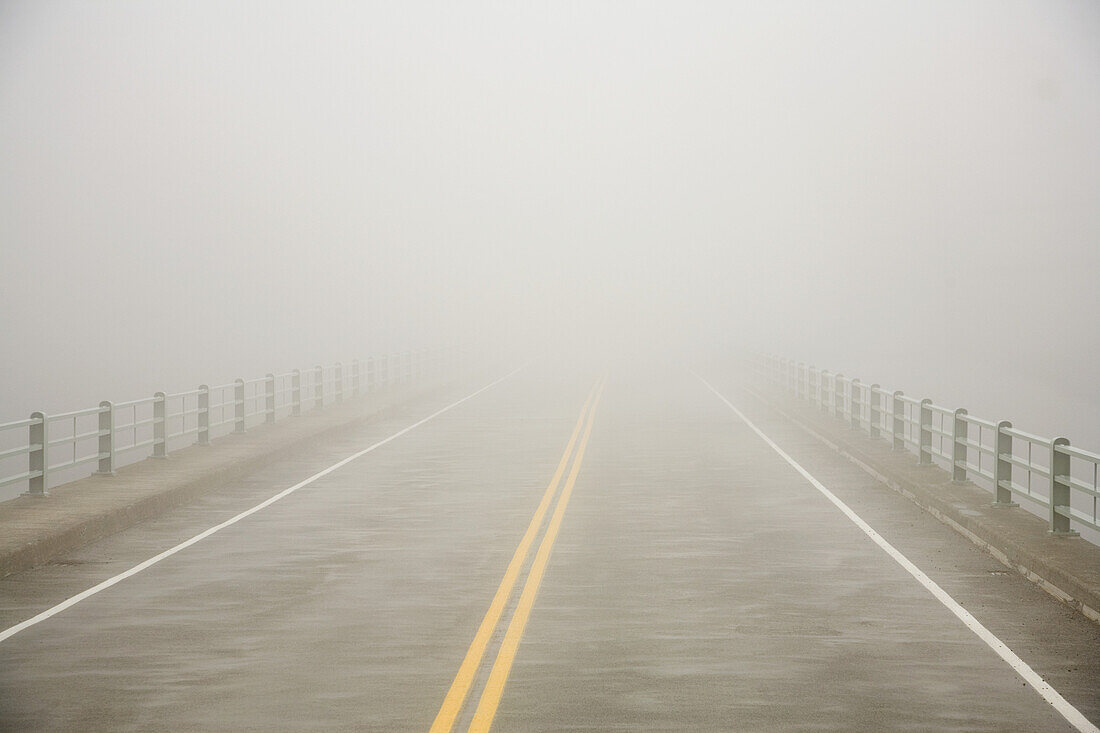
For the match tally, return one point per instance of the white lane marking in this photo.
(12, 631)
(1070, 713)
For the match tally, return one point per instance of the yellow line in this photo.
(452, 703)
(494, 688)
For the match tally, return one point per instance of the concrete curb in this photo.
(51, 526)
(1067, 569)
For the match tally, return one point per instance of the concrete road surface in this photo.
(680, 576)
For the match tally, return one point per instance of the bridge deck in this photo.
(696, 582)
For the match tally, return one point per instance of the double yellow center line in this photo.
(498, 676)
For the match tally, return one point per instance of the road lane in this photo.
(498, 676)
(701, 584)
(150, 562)
(471, 663)
(346, 605)
(1019, 666)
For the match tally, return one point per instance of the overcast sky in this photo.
(203, 190)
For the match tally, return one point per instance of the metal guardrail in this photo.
(971, 446)
(103, 434)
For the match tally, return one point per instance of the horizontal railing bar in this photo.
(1026, 465)
(20, 477)
(230, 385)
(135, 446)
(1078, 484)
(138, 424)
(75, 413)
(188, 393)
(979, 421)
(1034, 498)
(21, 423)
(987, 449)
(132, 403)
(18, 450)
(1073, 452)
(1076, 515)
(939, 452)
(975, 469)
(74, 438)
(1028, 436)
(74, 462)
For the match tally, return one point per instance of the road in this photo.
(681, 575)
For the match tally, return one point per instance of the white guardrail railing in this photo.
(59, 443)
(988, 452)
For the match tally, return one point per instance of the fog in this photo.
(908, 193)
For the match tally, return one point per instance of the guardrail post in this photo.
(296, 393)
(855, 403)
(825, 397)
(801, 381)
(838, 395)
(238, 406)
(897, 408)
(875, 412)
(354, 377)
(384, 370)
(269, 398)
(38, 456)
(160, 449)
(1002, 466)
(959, 434)
(1059, 490)
(338, 381)
(372, 376)
(203, 415)
(106, 465)
(318, 386)
(813, 385)
(925, 455)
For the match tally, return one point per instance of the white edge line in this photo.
(1059, 703)
(69, 602)
(1047, 586)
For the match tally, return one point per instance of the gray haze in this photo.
(907, 193)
